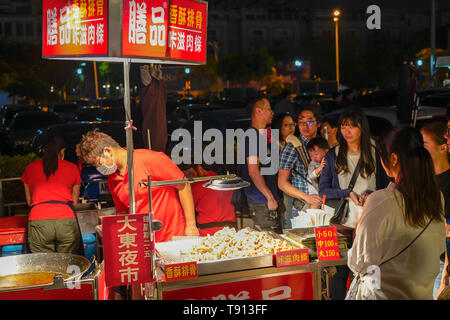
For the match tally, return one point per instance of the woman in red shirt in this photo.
(52, 187)
(172, 205)
(213, 207)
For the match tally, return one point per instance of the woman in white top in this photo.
(340, 163)
(392, 262)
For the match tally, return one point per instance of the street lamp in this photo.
(419, 62)
(298, 63)
(336, 15)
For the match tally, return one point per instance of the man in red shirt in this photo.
(213, 208)
(172, 205)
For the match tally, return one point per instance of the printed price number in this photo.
(330, 253)
(325, 234)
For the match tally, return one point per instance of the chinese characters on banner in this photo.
(145, 26)
(327, 244)
(291, 258)
(297, 286)
(180, 271)
(74, 27)
(187, 30)
(126, 249)
(175, 29)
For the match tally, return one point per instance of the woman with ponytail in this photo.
(52, 187)
(401, 234)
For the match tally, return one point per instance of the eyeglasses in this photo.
(289, 125)
(309, 123)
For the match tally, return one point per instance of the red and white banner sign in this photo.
(180, 271)
(175, 29)
(126, 249)
(145, 28)
(298, 286)
(291, 258)
(74, 27)
(187, 30)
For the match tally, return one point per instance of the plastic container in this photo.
(11, 250)
(90, 246)
(12, 230)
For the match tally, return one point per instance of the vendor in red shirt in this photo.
(172, 205)
(213, 208)
(52, 188)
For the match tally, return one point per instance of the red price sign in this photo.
(181, 271)
(291, 258)
(327, 244)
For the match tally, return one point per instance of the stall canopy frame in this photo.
(114, 54)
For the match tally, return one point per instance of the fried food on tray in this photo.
(227, 244)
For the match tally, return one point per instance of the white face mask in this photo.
(107, 170)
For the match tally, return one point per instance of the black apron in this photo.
(70, 205)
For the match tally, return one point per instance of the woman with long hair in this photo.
(401, 234)
(434, 138)
(355, 144)
(52, 188)
(355, 147)
(286, 125)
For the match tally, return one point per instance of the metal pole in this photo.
(433, 41)
(337, 52)
(95, 79)
(129, 135)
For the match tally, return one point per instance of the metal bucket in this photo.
(59, 263)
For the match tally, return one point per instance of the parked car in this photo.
(9, 110)
(383, 118)
(94, 185)
(24, 125)
(89, 114)
(214, 119)
(72, 133)
(379, 98)
(441, 100)
(66, 110)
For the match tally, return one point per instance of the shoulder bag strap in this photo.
(408, 244)
(355, 174)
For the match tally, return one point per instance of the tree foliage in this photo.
(253, 66)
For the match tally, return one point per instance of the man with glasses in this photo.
(294, 161)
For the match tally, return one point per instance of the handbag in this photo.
(356, 285)
(342, 206)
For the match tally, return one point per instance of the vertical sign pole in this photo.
(129, 134)
(337, 53)
(95, 79)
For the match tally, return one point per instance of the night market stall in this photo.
(251, 264)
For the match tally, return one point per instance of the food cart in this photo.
(256, 278)
(139, 31)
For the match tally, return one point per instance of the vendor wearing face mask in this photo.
(172, 205)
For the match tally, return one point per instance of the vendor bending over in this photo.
(172, 205)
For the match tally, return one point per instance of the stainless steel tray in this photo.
(170, 252)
